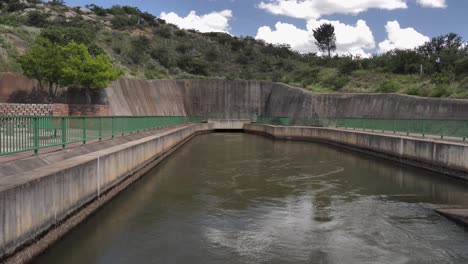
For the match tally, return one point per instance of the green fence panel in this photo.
(32, 133)
(455, 128)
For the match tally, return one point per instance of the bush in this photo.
(416, 90)
(440, 78)
(9, 20)
(36, 19)
(440, 90)
(163, 56)
(193, 65)
(211, 55)
(163, 32)
(156, 74)
(183, 48)
(336, 82)
(388, 86)
(124, 21)
(348, 66)
(307, 76)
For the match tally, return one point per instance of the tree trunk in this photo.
(51, 93)
(88, 95)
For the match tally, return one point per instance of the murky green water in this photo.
(237, 198)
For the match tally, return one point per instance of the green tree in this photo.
(58, 66)
(44, 62)
(325, 38)
(86, 71)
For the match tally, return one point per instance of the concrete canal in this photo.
(239, 198)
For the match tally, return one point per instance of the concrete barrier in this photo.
(440, 156)
(228, 124)
(34, 202)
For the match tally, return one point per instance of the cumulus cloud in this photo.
(433, 3)
(212, 22)
(350, 39)
(299, 39)
(401, 38)
(314, 9)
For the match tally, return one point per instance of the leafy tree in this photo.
(58, 66)
(325, 38)
(44, 62)
(443, 51)
(85, 71)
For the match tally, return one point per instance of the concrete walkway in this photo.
(22, 162)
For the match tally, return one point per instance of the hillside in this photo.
(147, 47)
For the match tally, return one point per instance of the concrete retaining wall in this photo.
(33, 202)
(244, 99)
(444, 157)
(240, 100)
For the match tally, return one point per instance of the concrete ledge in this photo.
(34, 202)
(228, 124)
(443, 157)
(457, 215)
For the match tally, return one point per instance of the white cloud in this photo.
(314, 9)
(433, 3)
(350, 39)
(401, 38)
(212, 22)
(284, 33)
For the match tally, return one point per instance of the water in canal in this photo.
(238, 198)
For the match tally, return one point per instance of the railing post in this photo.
(113, 128)
(84, 130)
(423, 128)
(63, 123)
(100, 128)
(394, 126)
(466, 131)
(36, 135)
(407, 127)
(442, 133)
(122, 125)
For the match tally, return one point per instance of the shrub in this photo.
(336, 82)
(192, 65)
(388, 86)
(163, 56)
(124, 21)
(9, 20)
(183, 48)
(440, 90)
(440, 78)
(348, 66)
(416, 90)
(211, 55)
(163, 32)
(36, 19)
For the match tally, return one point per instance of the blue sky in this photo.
(395, 23)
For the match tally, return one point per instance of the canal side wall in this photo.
(35, 202)
(240, 99)
(440, 156)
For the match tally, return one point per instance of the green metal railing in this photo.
(457, 128)
(32, 133)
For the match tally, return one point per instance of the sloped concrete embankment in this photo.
(244, 99)
(240, 100)
(37, 202)
(440, 156)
